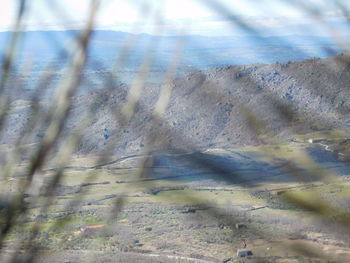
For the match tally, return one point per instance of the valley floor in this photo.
(108, 214)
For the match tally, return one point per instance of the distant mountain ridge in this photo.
(200, 52)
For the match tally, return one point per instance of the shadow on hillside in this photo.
(236, 168)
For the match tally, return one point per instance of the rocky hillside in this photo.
(221, 108)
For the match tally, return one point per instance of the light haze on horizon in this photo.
(175, 17)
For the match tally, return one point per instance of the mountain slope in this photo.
(210, 109)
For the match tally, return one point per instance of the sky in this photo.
(175, 17)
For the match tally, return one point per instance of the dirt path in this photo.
(74, 256)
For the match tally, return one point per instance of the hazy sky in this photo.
(172, 17)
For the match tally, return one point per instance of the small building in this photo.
(316, 140)
(240, 225)
(242, 253)
(278, 192)
(92, 228)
